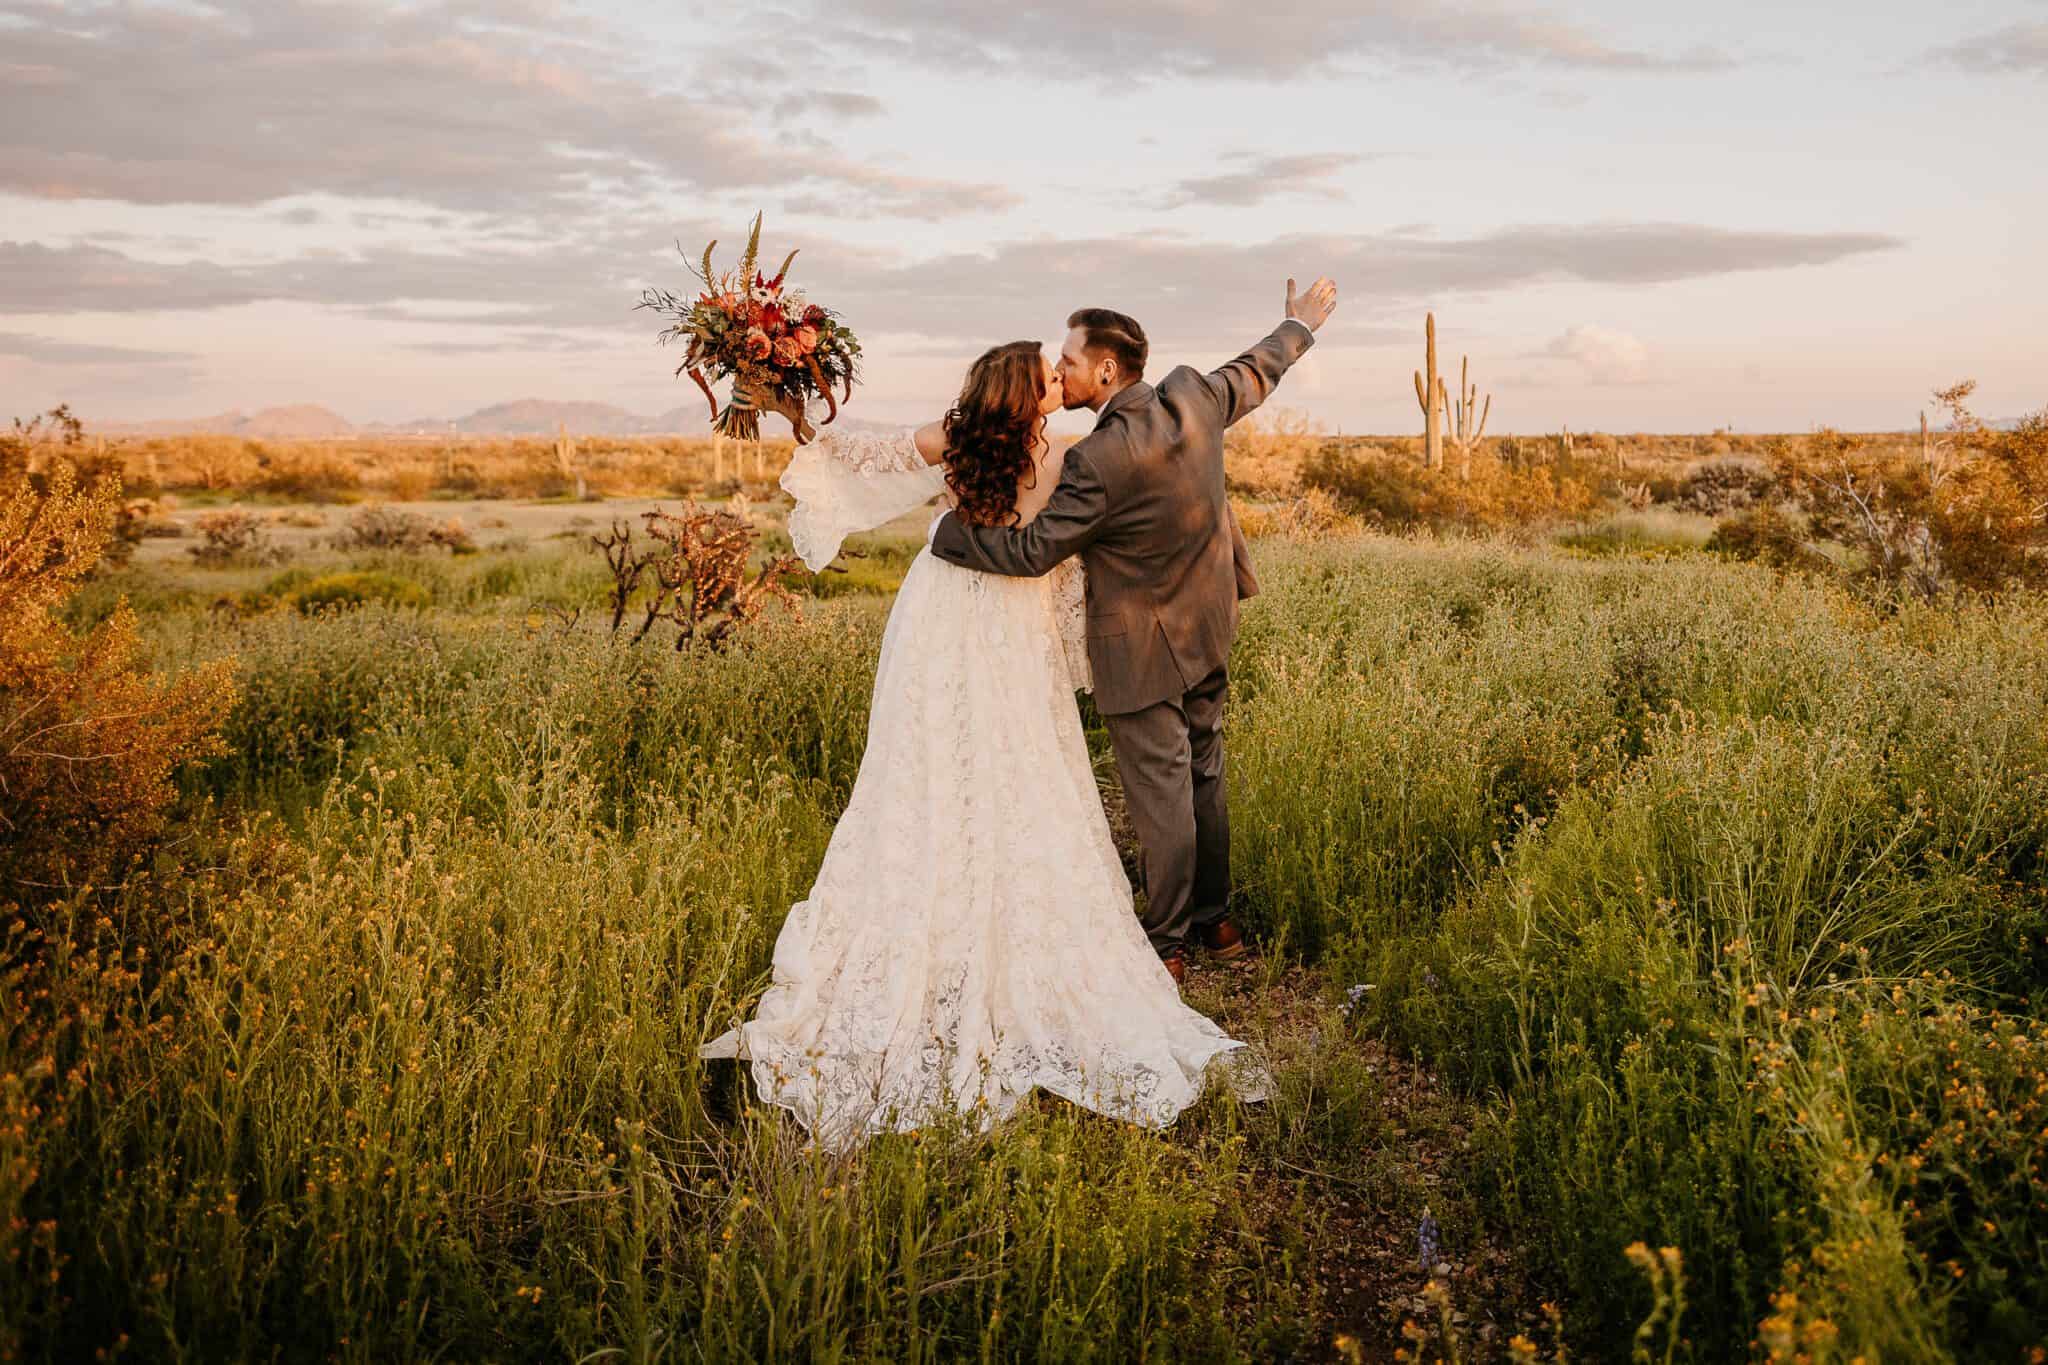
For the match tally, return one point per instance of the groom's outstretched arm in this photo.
(1072, 518)
(1249, 380)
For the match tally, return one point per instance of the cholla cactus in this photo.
(700, 574)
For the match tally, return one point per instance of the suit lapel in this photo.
(1123, 398)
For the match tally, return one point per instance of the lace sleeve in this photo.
(872, 452)
(1070, 618)
(848, 481)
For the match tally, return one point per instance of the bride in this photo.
(970, 934)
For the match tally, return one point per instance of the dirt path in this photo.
(1402, 1151)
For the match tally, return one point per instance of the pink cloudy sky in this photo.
(1632, 216)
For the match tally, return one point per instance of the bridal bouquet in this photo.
(779, 349)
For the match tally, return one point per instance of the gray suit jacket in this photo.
(1141, 500)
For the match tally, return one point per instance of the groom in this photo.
(1141, 500)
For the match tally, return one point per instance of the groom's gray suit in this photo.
(1141, 500)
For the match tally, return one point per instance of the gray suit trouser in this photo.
(1170, 757)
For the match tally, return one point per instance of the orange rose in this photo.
(807, 338)
(758, 344)
(788, 351)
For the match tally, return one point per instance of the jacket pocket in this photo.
(1105, 625)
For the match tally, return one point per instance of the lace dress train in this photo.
(970, 934)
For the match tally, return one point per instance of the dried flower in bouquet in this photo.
(779, 349)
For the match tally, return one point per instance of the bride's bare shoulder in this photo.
(1035, 489)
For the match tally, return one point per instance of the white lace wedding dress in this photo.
(970, 935)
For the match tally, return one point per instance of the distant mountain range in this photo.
(521, 417)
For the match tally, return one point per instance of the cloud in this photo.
(1196, 290)
(1275, 40)
(836, 103)
(36, 278)
(435, 103)
(1264, 178)
(561, 342)
(2021, 48)
(55, 351)
(1604, 355)
(884, 194)
(1214, 290)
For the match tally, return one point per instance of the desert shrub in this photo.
(1975, 519)
(1396, 493)
(1263, 454)
(341, 590)
(233, 536)
(1723, 485)
(380, 526)
(132, 521)
(1919, 1118)
(1767, 534)
(89, 738)
(318, 474)
(1644, 533)
(1991, 516)
(32, 448)
(1310, 516)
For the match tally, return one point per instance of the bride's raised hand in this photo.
(768, 400)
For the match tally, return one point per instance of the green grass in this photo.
(1654, 533)
(1608, 836)
(1717, 896)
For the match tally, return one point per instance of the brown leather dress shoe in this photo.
(1177, 968)
(1224, 940)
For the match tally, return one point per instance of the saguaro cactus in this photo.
(1429, 392)
(565, 457)
(1468, 433)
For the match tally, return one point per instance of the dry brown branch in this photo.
(700, 579)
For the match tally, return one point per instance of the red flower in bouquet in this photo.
(777, 348)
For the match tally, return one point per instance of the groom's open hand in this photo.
(1313, 309)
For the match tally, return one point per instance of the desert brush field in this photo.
(1646, 838)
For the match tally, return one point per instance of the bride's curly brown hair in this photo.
(992, 430)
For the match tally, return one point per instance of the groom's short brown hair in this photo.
(1116, 334)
